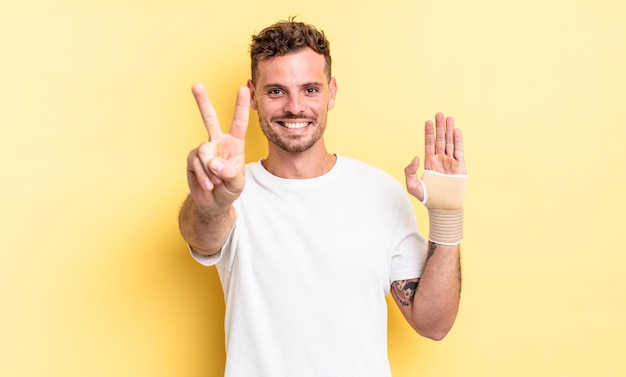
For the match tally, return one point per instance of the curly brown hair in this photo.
(288, 36)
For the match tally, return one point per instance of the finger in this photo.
(440, 133)
(458, 145)
(449, 136)
(242, 113)
(209, 116)
(197, 174)
(206, 154)
(429, 140)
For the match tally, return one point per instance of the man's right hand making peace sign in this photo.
(215, 170)
(215, 174)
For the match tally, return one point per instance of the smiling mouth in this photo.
(294, 125)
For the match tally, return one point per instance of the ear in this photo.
(332, 92)
(253, 105)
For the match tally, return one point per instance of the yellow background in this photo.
(97, 118)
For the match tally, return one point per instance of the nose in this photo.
(294, 104)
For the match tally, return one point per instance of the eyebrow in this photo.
(280, 86)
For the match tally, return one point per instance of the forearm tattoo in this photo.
(404, 290)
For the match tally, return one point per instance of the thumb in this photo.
(413, 185)
(228, 173)
(222, 169)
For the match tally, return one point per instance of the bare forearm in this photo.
(205, 231)
(436, 301)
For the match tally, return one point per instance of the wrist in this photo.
(443, 197)
(212, 212)
(446, 226)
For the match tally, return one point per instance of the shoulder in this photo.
(365, 172)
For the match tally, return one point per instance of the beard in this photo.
(293, 143)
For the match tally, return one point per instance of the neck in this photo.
(301, 165)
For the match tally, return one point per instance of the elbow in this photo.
(436, 330)
(434, 334)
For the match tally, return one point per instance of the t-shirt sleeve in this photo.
(205, 260)
(409, 251)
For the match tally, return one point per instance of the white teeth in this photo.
(296, 125)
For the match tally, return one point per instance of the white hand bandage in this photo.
(443, 196)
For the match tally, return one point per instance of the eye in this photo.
(311, 90)
(274, 92)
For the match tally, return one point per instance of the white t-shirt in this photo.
(306, 269)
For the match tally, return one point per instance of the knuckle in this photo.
(205, 151)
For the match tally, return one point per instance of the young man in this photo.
(309, 243)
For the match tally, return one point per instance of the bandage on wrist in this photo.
(443, 196)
